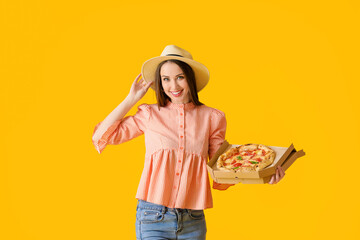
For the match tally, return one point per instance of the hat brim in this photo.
(201, 72)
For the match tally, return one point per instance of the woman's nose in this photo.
(174, 85)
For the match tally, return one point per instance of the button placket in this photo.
(181, 142)
(181, 150)
(181, 129)
(178, 170)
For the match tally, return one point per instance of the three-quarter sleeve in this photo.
(124, 129)
(217, 137)
(217, 131)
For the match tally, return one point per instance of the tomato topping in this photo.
(248, 153)
(263, 152)
(237, 164)
(234, 161)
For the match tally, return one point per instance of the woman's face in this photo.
(174, 83)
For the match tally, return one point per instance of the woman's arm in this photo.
(217, 137)
(137, 91)
(118, 113)
(221, 186)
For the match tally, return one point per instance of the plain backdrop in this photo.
(282, 71)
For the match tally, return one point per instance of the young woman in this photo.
(181, 133)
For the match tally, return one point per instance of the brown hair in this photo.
(161, 96)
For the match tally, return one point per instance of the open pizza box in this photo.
(285, 157)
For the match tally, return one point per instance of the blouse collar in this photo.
(188, 105)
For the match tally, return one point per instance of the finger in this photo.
(277, 175)
(138, 76)
(282, 172)
(136, 79)
(148, 85)
(142, 83)
(272, 179)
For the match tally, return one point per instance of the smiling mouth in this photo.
(176, 94)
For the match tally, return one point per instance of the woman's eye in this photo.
(166, 79)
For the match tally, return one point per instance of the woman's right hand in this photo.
(138, 89)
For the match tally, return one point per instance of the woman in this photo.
(180, 134)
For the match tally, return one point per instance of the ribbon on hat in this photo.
(173, 55)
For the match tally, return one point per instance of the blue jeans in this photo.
(155, 222)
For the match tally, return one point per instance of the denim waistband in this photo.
(148, 205)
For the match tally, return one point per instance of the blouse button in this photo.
(179, 160)
(181, 148)
(181, 136)
(181, 126)
(181, 114)
(177, 174)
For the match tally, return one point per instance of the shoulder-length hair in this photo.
(161, 96)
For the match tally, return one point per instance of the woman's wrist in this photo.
(130, 100)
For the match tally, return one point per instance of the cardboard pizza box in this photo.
(285, 157)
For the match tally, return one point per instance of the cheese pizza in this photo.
(246, 158)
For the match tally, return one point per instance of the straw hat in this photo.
(174, 52)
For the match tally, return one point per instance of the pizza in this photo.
(246, 158)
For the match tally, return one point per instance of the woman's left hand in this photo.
(280, 173)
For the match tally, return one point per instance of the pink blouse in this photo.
(179, 139)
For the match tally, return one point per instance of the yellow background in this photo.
(283, 72)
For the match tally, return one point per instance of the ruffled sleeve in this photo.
(124, 129)
(217, 137)
(217, 131)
